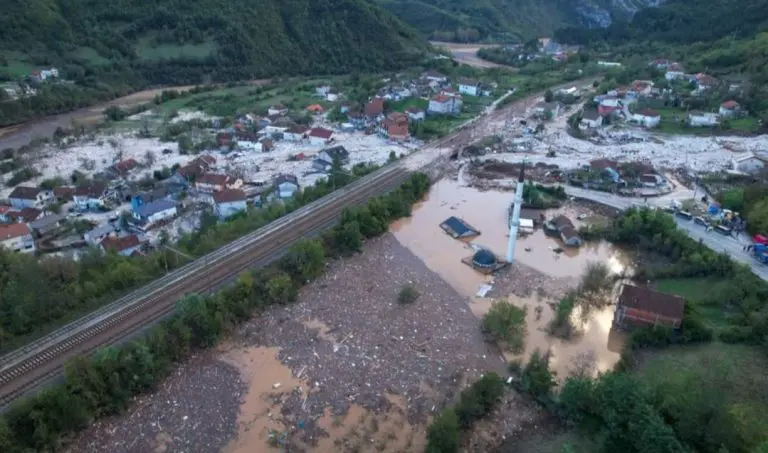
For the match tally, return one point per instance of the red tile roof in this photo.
(730, 105)
(441, 98)
(319, 132)
(375, 107)
(298, 129)
(25, 215)
(226, 196)
(120, 244)
(4, 209)
(315, 108)
(652, 301)
(215, 179)
(13, 230)
(25, 193)
(124, 166)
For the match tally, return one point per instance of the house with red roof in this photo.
(374, 109)
(121, 169)
(124, 246)
(17, 237)
(445, 105)
(729, 109)
(320, 136)
(395, 127)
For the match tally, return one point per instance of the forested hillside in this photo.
(134, 42)
(474, 20)
(681, 22)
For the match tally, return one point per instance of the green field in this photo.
(90, 55)
(702, 295)
(18, 65)
(710, 388)
(672, 122)
(405, 104)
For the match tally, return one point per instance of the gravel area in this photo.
(194, 410)
(372, 344)
(515, 417)
(347, 337)
(524, 281)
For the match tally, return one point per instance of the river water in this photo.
(596, 343)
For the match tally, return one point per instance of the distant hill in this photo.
(186, 41)
(472, 20)
(681, 22)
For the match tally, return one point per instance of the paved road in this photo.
(733, 246)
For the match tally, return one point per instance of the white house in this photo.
(278, 109)
(748, 163)
(702, 119)
(469, 86)
(675, 71)
(29, 197)
(729, 109)
(214, 182)
(445, 105)
(156, 211)
(609, 64)
(89, 197)
(295, 133)
(229, 202)
(434, 76)
(17, 237)
(319, 136)
(547, 110)
(591, 119)
(248, 143)
(332, 96)
(647, 117)
(415, 114)
(322, 90)
(286, 186)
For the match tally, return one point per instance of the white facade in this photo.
(471, 90)
(247, 145)
(674, 75)
(17, 237)
(159, 215)
(230, 208)
(589, 123)
(417, 116)
(292, 137)
(317, 141)
(748, 163)
(447, 106)
(702, 119)
(726, 112)
(286, 190)
(646, 120)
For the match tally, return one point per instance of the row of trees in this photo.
(105, 383)
(36, 294)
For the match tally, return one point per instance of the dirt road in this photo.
(22, 134)
(467, 54)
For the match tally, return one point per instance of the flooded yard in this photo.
(538, 279)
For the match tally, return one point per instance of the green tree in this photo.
(506, 322)
(281, 289)
(549, 96)
(305, 260)
(347, 238)
(407, 295)
(537, 379)
(444, 434)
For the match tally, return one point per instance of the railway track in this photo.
(28, 368)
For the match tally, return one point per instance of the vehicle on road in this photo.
(700, 221)
(684, 215)
(724, 230)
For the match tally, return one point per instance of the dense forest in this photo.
(475, 20)
(103, 47)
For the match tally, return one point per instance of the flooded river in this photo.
(487, 211)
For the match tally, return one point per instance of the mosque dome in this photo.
(484, 258)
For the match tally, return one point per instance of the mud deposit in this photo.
(537, 280)
(346, 369)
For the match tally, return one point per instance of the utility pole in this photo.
(514, 221)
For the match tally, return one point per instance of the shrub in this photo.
(537, 379)
(407, 295)
(444, 434)
(506, 322)
(479, 399)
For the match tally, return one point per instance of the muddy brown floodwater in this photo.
(596, 346)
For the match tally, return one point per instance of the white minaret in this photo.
(514, 222)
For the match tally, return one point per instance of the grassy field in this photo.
(731, 378)
(672, 122)
(701, 293)
(90, 55)
(405, 104)
(18, 65)
(555, 443)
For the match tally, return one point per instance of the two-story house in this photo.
(125, 245)
(324, 159)
(469, 86)
(443, 104)
(229, 202)
(215, 182)
(152, 213)
(29, 197)
(286, 186)
(319, 136)
(90, 196)
(17, 237)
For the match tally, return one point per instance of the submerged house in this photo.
(458, 228)
(562, 228)
(644, 307)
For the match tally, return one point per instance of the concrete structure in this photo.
(702, 119)
(324, 159)
(89, 197)
(286, 186)
(434, 76)
(214, 182)
(416, 114)
(17, 237)
(445, 105)
(229, 202)
(748, 163)
(29, 197)
(647, 118)
(547, 110)
(458, 228)
(643, 307)
(729, 109)
(469, 86)
(98, 234)
(319, 136)
(514, 222)
(154, 212)
(296, 133)
(590, 119)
